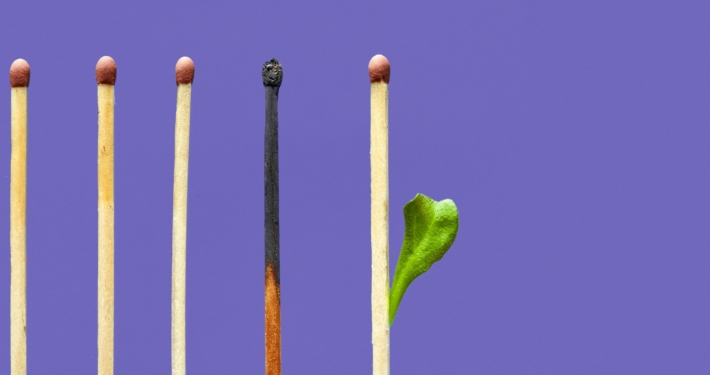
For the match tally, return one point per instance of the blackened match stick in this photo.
(272, 74)
(106, 79)
(379, 69)
(19, 81)
(184, 73)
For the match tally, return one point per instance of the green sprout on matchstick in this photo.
(430, 229)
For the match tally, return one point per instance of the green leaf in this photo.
(429, 230)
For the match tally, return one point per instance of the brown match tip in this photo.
(379, 69)
(20, 73)
(184, 71)
(106, 71)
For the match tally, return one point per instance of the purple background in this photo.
(573, 138)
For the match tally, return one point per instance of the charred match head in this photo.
(379, 69)
(184, 71)
(106, 71)
(20, 73)
(272, 73)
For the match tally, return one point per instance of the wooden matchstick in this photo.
(19, 81)
(379, 69)
(272, 74)
(184, 73)
(106, 79)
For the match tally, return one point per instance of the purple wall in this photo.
(573, 138)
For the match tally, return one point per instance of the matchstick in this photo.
(272, 74)
(106, 79)
(19, 81)
(379, 69)
(184, 73)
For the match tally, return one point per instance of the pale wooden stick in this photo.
(379, 70)
(184, 73)
(106, 79)
(19, 80)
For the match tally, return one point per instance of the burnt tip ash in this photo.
(272, 73)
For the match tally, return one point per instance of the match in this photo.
(19, 82)
(272, 74)
(379, 69)
(106, 79)
(184, 74)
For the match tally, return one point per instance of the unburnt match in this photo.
(184, 73)
(379, 69)
(272, 75)
(106, 79)
(19, 82)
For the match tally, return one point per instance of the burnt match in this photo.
(19, 82)
(379, 69)
(184, 74)
(106, 79)
(272, 75)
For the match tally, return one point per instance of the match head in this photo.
(184, 71)
(20, 73)
(106, 71)
(379, 69)
(272, 73)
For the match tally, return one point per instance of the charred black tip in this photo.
(272, 73)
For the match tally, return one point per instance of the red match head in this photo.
(20, 73)
(106, 71)
(379, 69)
(184, 71)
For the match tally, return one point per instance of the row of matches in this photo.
(272, 75)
